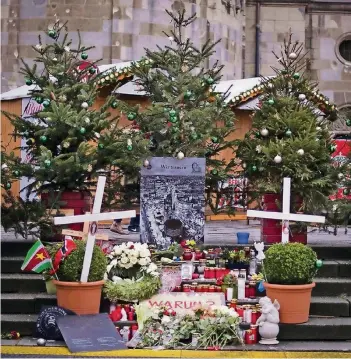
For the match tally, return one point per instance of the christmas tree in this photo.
(68, 141)
(186, 118)
(290, 137)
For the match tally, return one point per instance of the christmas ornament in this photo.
(258, 149)
(288, 133)
(244, 165)
(65, 145)
(46, 103)
(340, 175)
(52, 33)
(85, 105)
(345, 191)
(41, 342)
(187, 95)
(172, 113)
(257, 134)
(210, 80)
(82, 130)
(292, 56)
(302, 97)
(278, 159)
(180, 155)
(39, 100)
(301, 152)
(84, 55)
(194, 136)
(254, 168)
(214, 171)
(87, 120)
(146, 163)
(332, 148)
(318, 128)
(101, 146)
(47, 163)
(29, 82)
(296, 75)
(92, 70)
(214, 139)
(4, 167)
(173, 119)
(67, 49)
(30, 141)
(319, 263)
(131, 116)
(270, 101)
(264, 132)
(43, 138)
(348, 122)
(90, 168)
(129, 142)
(114, 104)
(97, 135)
(16, 173)
(129, 148)
(8, 185)
(54, 59)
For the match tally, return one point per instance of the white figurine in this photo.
(268, 322)
(124, 315)
(259, 246)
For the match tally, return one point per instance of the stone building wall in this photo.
(120, 29)
(320, 25)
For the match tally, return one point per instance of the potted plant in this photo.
(81, 298)
(236, 259)
(289, 270)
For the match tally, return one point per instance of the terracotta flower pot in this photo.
(81, 298)
(294, 301)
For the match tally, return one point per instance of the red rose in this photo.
(183, 243)
(14, 335)
(131, 246)
(174, 313)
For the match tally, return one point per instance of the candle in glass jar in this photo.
(229, 294)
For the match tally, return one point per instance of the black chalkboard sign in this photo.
(90, 333)
(47, 322)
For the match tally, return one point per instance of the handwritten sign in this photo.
(183, 303)
(171, 277)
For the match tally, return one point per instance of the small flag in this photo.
(62, 253)
(37, 259)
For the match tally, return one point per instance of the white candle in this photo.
(241, 287)
(229, 294)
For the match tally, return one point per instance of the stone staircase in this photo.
(23, 294)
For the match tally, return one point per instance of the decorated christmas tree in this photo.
(290, 136)
(68, 142)
(186, 118)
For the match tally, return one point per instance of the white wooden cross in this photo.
(94, 217)
(286, 216)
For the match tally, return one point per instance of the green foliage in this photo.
(288, 125)
(290, 263)
(71, 268)
(130, 291)
(186, 114)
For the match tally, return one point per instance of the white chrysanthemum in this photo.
(145, 253)
(117, 251)
(152, 268)
(124, 260)
(133, 260)
(143, 261)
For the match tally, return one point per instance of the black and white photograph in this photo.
(172, 200)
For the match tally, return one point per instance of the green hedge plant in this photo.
(290, 263)
(71, 268)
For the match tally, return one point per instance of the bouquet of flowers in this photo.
(130, 273)
(236, 256)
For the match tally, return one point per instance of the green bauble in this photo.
(194, 136)
(29, 82)
(166, 109)
(92, 70)
(47, 163)
(173, 119)
(214, 139)
(46, 103)
(43, 138)
(214, 171)
(254, 168)
(114, 104)
(82, 130)
(101, 146)
(319, 263)
(270, 101)
(210, 80)
(84, 55)
(52, 33)
(175, 129)
(296, 75)
(39, 100)
(187, 94)
(257, 134)
(8, 185)
(16, 173)
(131, 116)
(332, 148)
(346, 191)
(348, 122)
(172, 113)
(288, 133)
(129, 148)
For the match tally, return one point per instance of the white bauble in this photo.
(278, 159)
(97, 134)
(67, 49)
(258, 149)
(129, 142)
(301, 152)
(264, 132)
(319, 128)
(54, 59)
(4, 167)
(146, 163)
(180, 155)
(270, 85)
(340, 175)
(292, 56)
(244, 165)
(41, 342)
(85, 105)
(302, 97)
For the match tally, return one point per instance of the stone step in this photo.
(345, 268)
(335, 268)
(332, 252)
(330, 306)
(23, 283)
(25, 324)
(317, 328)
(29, 303)
(11, 264)
(332, 287)
(10, 248)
